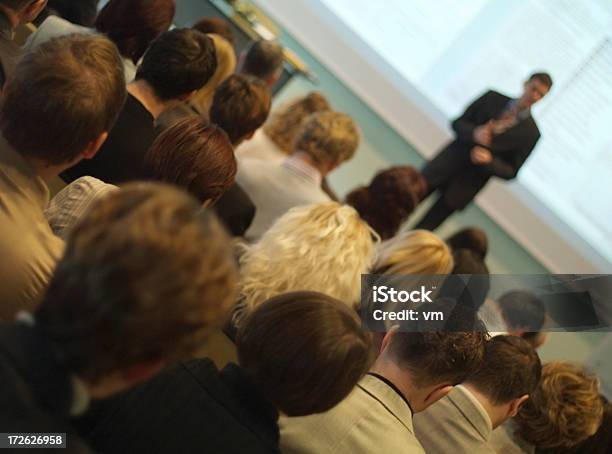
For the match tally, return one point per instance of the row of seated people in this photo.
(112, 283)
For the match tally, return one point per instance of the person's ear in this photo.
(249, 136)
(188, 96)
(437, 394)
(141, 372)
(207, 203)
(94, 146)
(32, 10)
(515, 405)
(389, 335)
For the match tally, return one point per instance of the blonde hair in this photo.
(286, 120)
(226, 64)
(323, 247)
(564, 410)
(328, 137)
(415, 252)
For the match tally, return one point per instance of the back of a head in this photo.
(437, 354)
(543, 77)
(304, 350)
(240, 106)
(144, 275)
(329, 138)
(216, 26)
(52, 91)
(598, 443)
(177, 63)
(285, 121)
(263, 60)
(522, 311)
(82, 12)
(413, 253)
(389, 199)
(564, 410)
(323, 247)
(194, 156)
(472, 238)
(133, 24)
(520, 365)
(468, 262)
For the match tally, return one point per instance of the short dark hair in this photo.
(447, 354)
(144, 276)
(217, 26)
(305, 351)
(133, 24)
(72, 88)
(240, 106)
(468, 262)
(178, 62)
(522, 310)
(16, 4)
(543, 77)
(82, 12)
(195, 156)
(472, 238)
(263, 59)
(388, 201)
(520, 365)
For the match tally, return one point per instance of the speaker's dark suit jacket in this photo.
(453, 171)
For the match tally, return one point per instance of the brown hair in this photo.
(390, 198)
(441, 355)
(63, 95)
(286, 121)
(304, 350)
(328, 137)
(133, 24)
(472, 238)
(144, 275)
(564, 409)
(520, 365)
(240, 106)
(195, 156)
(217, 26)
(263, 59)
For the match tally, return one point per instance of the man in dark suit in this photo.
(494, 137)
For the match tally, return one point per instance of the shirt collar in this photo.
(24, 179)
(393, 387)
(303, 169)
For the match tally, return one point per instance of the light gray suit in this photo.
(456, 423)
(275, 189)
(372, 419)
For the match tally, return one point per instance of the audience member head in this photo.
(144, 275)
(82, 12)
(51, 91)
(535, 88)
(472, 238)
(21, 11)
(524, 314)
(285, 121)
(391, 197)
(194, 156)
(240, 106)
(304, 350)
(426, 363)
(506, 392)
(133, 24)
(215, 26)
(474, 290)
(564, 410)
(328, 139)
(264, 60)
(468, 262)
(178, 63)
(226, 64)
(414, 252)
(598, 443)
(323, 247)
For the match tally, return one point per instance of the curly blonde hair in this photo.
(414, 252)
(564, 410)
(323, 247)
(285, 121)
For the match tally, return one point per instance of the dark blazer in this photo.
(9, 51)
(122, 156)
(190, 408)
(236, 209)
(452, 170)
(36, 391)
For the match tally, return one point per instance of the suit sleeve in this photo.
(464, 125)
(507, 168)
